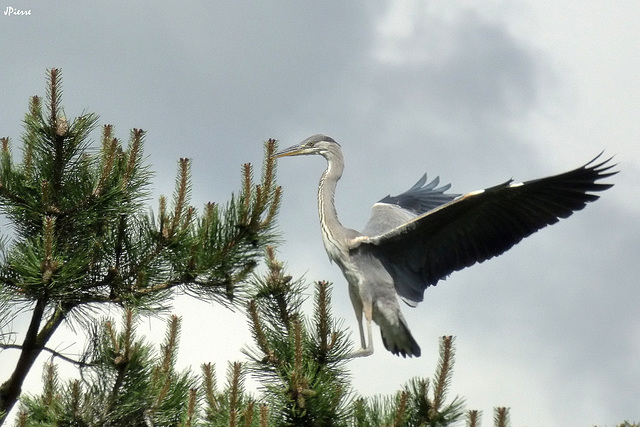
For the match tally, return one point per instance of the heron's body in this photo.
(419, 237)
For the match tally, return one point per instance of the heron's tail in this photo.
(397, 338)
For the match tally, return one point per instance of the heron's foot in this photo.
(362, 352)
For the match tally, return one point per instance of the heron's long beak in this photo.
(294, 150)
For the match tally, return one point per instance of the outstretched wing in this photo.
(393, 211)
(479, 226)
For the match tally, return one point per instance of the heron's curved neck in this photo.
(332, 230)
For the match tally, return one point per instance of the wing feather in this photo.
(393, 211)
(421, 197)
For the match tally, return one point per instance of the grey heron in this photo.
(419, 237)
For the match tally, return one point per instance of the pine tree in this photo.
(82, 236)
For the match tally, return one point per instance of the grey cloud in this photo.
(211, 80)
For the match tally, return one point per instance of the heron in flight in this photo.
(424, 234)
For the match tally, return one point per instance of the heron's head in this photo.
(316, 144)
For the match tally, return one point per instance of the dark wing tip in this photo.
(602, 168)
(594, 171)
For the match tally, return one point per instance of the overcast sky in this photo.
(475, 92)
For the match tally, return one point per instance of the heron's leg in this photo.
(363, 343)
(366, 348)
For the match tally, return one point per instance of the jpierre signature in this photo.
(10, 10)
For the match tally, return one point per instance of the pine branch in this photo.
(235, 373)
(473, 418)
(122, 357)
(209, 384)
(11, 389)
(264, 415)
(443, 372)
(501, 417)
(403, 398)
(191, 410)
(54, 353)
(51, 384)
